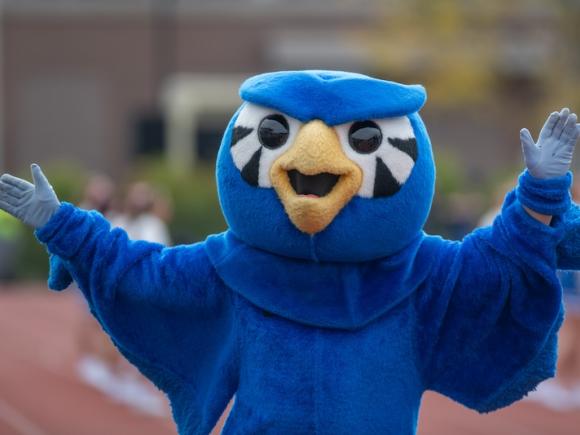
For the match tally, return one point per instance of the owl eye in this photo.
(273, 131)
(365, 137)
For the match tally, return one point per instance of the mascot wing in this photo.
(164, 308)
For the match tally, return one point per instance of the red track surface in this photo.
(40, 394)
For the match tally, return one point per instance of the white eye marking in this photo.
(399, 162)
(397, 151)
(243, 152)
(245, 148)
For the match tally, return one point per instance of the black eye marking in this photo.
(365, 137)
(251, 171)
(385, 183)
(273, 131)
(239, 133)
(408, 146)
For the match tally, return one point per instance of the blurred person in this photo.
(97, 354)
(100, 363)
(143, 217)
(140, 219)
(99, 195)
(163, 208)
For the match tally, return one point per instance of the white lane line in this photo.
(17, 421)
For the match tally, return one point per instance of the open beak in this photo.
(314, 179)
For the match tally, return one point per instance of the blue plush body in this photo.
(340, 332)
(568, 251)
(474, 320)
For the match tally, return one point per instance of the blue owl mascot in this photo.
(325, 308)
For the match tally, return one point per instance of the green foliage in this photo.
(9, 227)
(32, 258)
(451, 176)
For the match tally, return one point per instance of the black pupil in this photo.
(365, 136)
(273, 131)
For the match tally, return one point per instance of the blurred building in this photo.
(103, 81)
(82, 80)
(490, 68)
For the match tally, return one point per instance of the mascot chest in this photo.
(318, 380)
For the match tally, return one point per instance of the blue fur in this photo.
(381, 226)
(548, 197)
(59, 278)
(332, 96)
(339, 333)
(474, 320)
(336, 294)
(569, 249)
(165, 309)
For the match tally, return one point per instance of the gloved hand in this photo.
(551, 156)
(34, 204)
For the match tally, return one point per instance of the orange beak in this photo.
(315, 179)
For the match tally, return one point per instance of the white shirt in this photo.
(146, 227)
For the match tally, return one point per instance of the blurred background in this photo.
(124, 102)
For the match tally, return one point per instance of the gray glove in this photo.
(551, 156)
(34, 204)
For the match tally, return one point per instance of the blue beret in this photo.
(334, 97)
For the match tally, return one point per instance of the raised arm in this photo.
(102, 260)
(551, 156)
(568, 251)
(492, 314)
(156, 303)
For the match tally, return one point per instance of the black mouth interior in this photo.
(319, 184)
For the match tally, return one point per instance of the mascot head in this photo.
(326, 166)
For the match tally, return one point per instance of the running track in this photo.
(40, 395)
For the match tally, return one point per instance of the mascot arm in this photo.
(161, 306)
(492, 316)
(568, 250)
(551, 156)
(105, 263)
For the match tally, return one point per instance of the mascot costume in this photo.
(325, 308)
